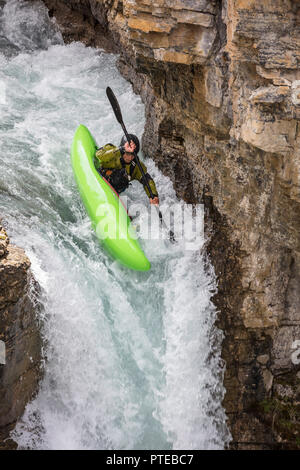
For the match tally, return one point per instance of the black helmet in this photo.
(134, 139)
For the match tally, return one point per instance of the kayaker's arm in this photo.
(138, 176)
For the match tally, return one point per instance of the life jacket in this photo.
(118, 177)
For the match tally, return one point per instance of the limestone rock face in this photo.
(221, 85)
(20, 342)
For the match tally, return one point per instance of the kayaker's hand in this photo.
(154, 201)
(129, 148)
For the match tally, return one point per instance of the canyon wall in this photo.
(221, 85)
(20, 342)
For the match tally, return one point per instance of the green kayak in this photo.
(108, 215)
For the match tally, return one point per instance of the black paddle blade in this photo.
(114, 104)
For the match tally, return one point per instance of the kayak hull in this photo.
(103, 205)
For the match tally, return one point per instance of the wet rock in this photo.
(220, 83)
(84, 21)
(263, 359)
(20, 352)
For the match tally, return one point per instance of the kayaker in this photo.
(117, 166)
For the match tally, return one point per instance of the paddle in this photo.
(117, 110)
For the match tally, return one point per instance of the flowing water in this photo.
(132, 360)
